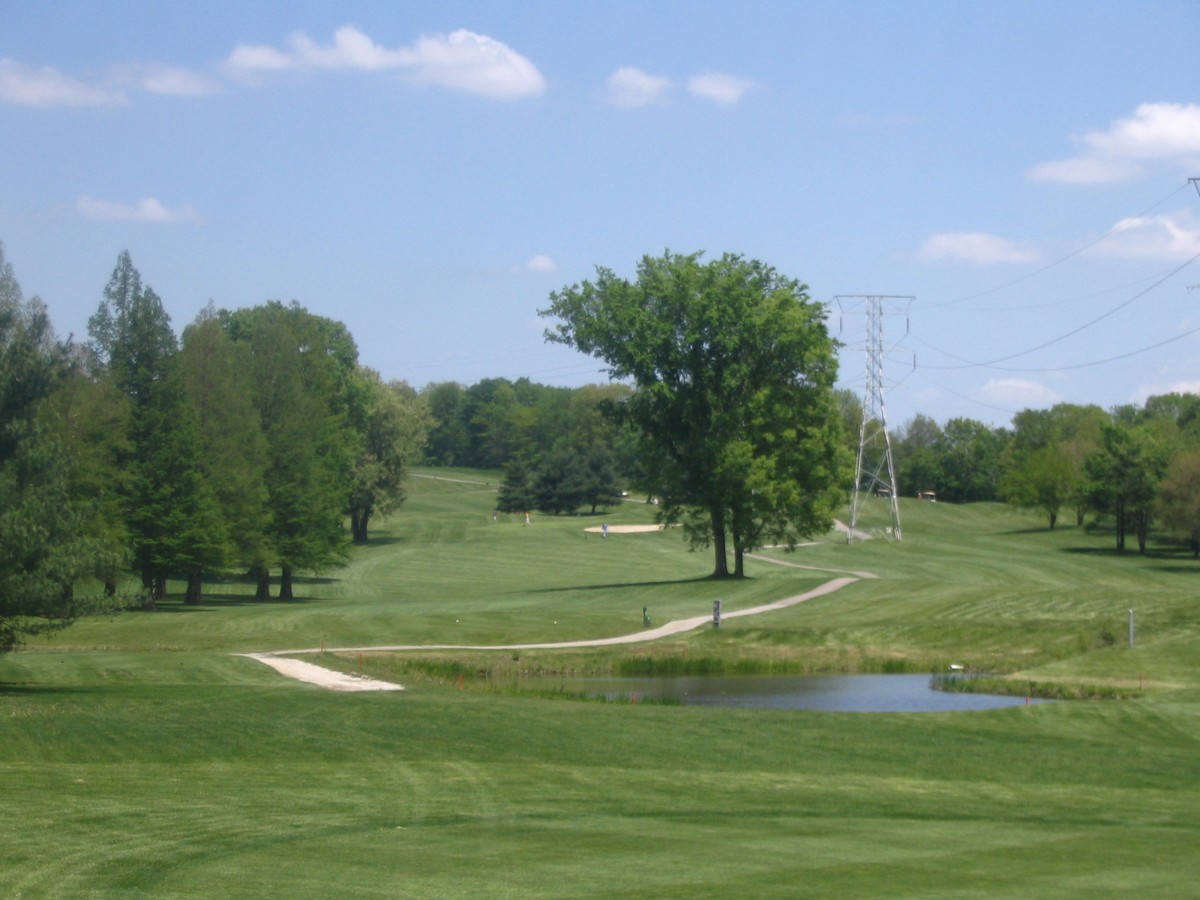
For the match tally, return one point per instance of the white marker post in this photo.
(1131, 629)
(716, 614)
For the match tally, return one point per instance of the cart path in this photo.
(319, 675)
(282, 661)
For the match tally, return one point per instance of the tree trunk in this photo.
(739, 569)
(1053, 520)
(160, 587)
(110, 587)
(262, 577)
(721, 569)
(193, 595)
(285, 584)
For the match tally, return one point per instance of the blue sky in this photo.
(428, 173)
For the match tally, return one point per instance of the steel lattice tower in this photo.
(874, 471)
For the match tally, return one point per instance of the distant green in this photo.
(138, 757)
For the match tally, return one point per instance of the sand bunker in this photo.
(624, 529)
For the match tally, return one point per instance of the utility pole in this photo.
(874, 469)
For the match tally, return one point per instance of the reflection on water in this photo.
(835, 693)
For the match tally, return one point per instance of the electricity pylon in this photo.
(874, 469)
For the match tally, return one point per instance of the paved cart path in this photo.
(283, 661)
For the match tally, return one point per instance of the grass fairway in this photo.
(138, 757)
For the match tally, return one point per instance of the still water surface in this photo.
(834, 693)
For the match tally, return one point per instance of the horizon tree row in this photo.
(1133, 466)
(556, 446)
(243, 446)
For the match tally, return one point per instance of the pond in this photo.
(833, 693)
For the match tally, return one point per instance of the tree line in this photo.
(560, 449)
(243, 445)
(255, 441)
(1134, 467)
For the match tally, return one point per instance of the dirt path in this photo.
(284, 663)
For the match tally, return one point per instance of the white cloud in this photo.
(461, 61)
(474, 63)
(148, 209)
(631, 87)
(246, 59)
(1017, 393)
(1085, 170)
(1156, 131)
(22, 85)
(719, 87)
(541, 263)
(1145, 391)
(174, 81)
(1165, 236)
(976, 247)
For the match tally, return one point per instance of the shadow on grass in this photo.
(214, 601)
(706, 579)
(383, 540)
(36, 689)
(1131, 552)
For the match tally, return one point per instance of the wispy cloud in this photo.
(631, 87)
(976, 247)
(23, 85)
(460, 61)
(1145, 391)
(148, 209)
(43, 86)
(1166, 236)
(1155, 132)
(1017, 393)
(719, 87)
(156, 78)
(541, 263)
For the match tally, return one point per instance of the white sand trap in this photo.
(624, 529)
(320, 676)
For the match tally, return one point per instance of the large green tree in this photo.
(302, 371)
(169, 508)
(392, 424)
(1124, 474)
(733, 368)
(233, 450)
(1180, 499)
(44, 543)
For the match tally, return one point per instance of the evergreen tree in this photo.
(517, 490)
(169, 509)
(302, 376)
(44, 546)
(233, 449)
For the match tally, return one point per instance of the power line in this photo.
(1102, 362)
(1062, 259)
(968, 364)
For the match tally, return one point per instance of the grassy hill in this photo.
(139, 757)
